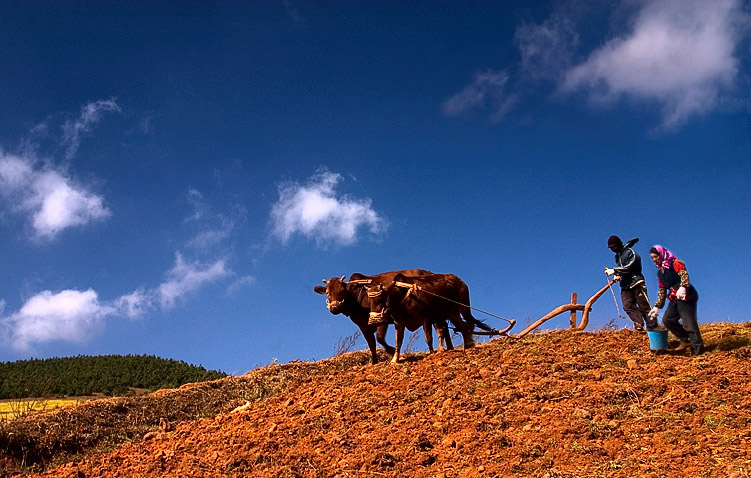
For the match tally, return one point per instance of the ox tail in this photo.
(467, 310)
(475, 322)
(482, 325)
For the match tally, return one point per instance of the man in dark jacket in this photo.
(633, 288)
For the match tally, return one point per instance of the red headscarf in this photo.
(665, 256)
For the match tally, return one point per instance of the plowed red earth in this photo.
(555, 404)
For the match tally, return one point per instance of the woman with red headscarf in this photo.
(672, 278)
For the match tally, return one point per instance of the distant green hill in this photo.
(86, 375)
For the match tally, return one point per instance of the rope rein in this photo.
(415, 287)
(617, 308)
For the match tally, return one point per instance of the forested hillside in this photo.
(87, 375)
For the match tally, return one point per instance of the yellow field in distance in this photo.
(10, 409)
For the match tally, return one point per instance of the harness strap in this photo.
(361, 281)
(415, 287)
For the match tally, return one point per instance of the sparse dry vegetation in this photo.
(555, 404)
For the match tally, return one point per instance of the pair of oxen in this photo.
(409, 299)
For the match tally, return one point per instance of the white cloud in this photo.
(215, 227)
(209, 238)
(135, 304)
(185, 278)
(70, 315)
(59, 205)
(487, 93)
(75, 316)
(195, 199)
(15, 173)
(678, 54)
(52, 200)
(315, 211)
(546, 50)
(91, 113)
(240, 283)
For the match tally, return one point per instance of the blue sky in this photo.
(175, 177)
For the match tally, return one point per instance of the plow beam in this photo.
(573, 308)
(553, 313)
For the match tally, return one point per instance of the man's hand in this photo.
(654, 313)
(609, 271)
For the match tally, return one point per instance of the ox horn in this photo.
(343, 278)
(325, 281)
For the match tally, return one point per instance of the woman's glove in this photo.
(680, 294)
(609, 271)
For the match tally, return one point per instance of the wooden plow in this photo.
(572, 309)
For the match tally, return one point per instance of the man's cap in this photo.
(614, 241)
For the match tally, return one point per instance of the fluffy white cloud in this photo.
(45, 192)
(679, 53)
(75, 316)
(59, 205)
(185, 278)
(133, 305)
(315, 211)
(53, 200)
(487, 93)
(91, 113)
(70, 315)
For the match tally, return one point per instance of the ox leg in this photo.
(469, 340)
(429, 336)
(398, 345)
(370, 339)
(381, 338)
(444, 336)
(465, 328)
(469, 328)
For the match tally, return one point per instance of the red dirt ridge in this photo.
(554, 404)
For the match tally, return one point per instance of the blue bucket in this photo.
(658, 339)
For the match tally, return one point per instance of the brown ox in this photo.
(351, 299)
(413, 301)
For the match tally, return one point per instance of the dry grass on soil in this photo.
(555, 404)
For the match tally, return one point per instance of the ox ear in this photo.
(319, 289)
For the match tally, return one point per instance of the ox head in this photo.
(336, 293)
